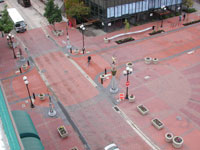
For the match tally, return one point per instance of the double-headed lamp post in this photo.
(26, 83)
(126, 73)
(82, 27)
(10, 38)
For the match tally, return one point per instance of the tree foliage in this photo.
(52, 12)
(6, 24)
(76, 9)
(127, 25)
(188, 3)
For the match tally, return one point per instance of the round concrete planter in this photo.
(177, 142)
(41, 96)
(131, 98)
(148, 60)
(155, 60)
(168, 137)
(129, 64)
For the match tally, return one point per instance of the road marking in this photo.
(82, 71)
(138, 131)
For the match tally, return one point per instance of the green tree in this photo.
(188, 3)
(127, 25)
(6, 24)
(76, 9)
(52, 13)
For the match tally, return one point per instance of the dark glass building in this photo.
(112, 12)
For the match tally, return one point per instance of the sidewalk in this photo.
(18, 99)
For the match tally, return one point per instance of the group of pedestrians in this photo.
(180, 17)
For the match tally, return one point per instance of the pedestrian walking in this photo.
(153, 27)
(89, 59)
(180, 18)
(2, 34)
(184, 15)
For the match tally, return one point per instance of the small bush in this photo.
(156, 32)
(190, 10)
(177, 14)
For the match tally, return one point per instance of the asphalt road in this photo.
(32, 18)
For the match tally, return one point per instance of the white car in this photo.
(112, 146)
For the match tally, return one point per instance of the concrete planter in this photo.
(177, 142)
(148, 60)
(131, 98)
(155, 60)
(62, 131)
(41, 96)
(106, 40)
(157, 123)
(129, 64)
(142, 109)
(168, 137)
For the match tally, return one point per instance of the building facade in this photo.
(110, 12)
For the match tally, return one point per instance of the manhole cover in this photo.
(43, 71)
(178, 118)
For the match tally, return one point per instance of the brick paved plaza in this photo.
(170, 89)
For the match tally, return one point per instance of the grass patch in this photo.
(125, 40)
(192, 22)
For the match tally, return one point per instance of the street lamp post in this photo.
(68, 41)
(126, 73)
(163, 9)
(10, 38)
(26, 83)
(82, 27)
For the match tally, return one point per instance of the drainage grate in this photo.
(74, 148)
(116, 108)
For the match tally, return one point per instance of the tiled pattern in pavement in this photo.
(101, 125)
(68, 83)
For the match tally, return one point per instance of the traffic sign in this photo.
(127, 83)
(121, 96)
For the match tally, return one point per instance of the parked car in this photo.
(112, 146)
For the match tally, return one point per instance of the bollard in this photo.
(83, 50)
(20, 70)
(20, 51)
(33, 95)
(101, 80)
(28, 62)
(105, 71)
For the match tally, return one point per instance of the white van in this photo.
(20, 25)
